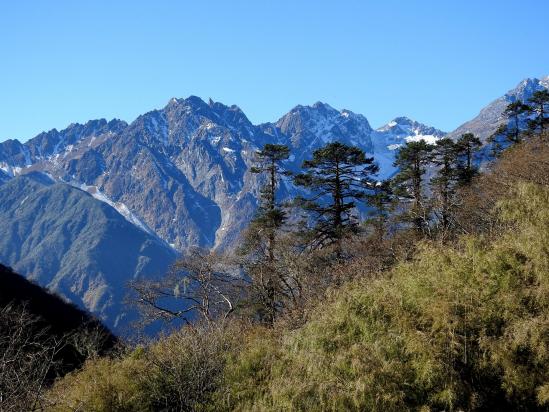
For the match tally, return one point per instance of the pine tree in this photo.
(412, 160)
(509, 132)
(445, 157)
(539, 103)
(337, 175)
(381, 199)
(466, 146)
(496, 139)
(271, 215)
(513, 113)
(260, 239)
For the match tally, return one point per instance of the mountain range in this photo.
(91, 207)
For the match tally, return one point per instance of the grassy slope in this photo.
(459, 327)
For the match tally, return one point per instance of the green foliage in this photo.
(180, 372)
(104, 384)
(457, 328)
(339, 173)
(513, 113)
(412, 160)
(510, 132)
(539, 103)
(382, 201)
(270, 215)
(466, 147)
(444, 183)
(260, 240)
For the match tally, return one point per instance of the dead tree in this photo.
(199, 287)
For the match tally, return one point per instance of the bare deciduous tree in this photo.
(201, 286)
(27, 357)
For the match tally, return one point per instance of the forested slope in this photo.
(447, 323)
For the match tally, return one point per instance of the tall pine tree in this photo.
(509, 133)
(269, 287)
(466, 146)
(539, 103)
(412, 160)
(513, 112)
(381, 199)
(443, 184)
(271, 216)
(336, 175)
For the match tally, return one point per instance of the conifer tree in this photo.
(336, 175)
(509, 132)
(260, 239)
(539, 103)
(496, 139)
(445, 157)
(270, 216)
(412, 160)
(466, 146)
(381, 199)
(513, 113)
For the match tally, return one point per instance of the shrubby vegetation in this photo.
(41, 338)
(437, 298)
(457, 328)
(182, 371)
(440, 302)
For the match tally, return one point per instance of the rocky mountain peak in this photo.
(491, 116)
(312, 126)
(193, 112)
(403, 120)
(405, 126)
(191, 104)
(525, 89)
(176, 177)
(314, 110)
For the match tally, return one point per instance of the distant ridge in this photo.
(491, 116)
(66, 240)
(124, 199)
(58, 318)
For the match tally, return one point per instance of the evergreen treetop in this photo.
(336, 175)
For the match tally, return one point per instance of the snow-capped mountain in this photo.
(49, 146)
(178, 177)
(490, 117)
(306, 128)
(181, 172)
(403, 130)
(389, 138)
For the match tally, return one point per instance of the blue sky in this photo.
(438, 62)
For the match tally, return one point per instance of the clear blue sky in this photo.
(435, 61)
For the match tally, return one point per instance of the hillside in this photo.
(59, 316)
(66, 240)
(42, 337)
(456, 324)
(491, 116)
(174, 179)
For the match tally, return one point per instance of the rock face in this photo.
(306, 128)
(174, 178)
(66, 240)
(389, 138)
(489, 118)
(4, 177)
(181, 172)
